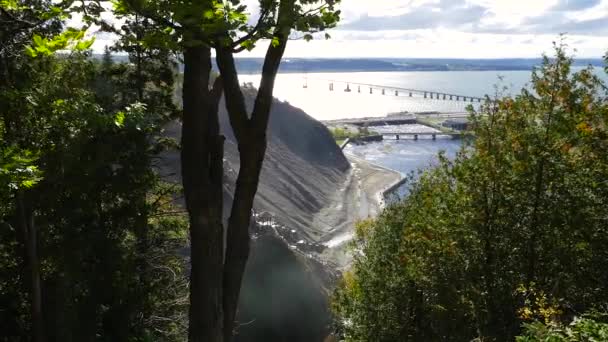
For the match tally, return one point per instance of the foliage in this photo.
(512, 230)
(220, 23)
(344, 133)
(586, 328)
(108, 238)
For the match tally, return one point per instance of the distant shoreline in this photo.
(304, 65)
(252, 66)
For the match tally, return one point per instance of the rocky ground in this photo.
(359, 198)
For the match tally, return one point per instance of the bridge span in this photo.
(388, 90)
(415, 135)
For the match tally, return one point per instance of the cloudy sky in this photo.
(459, 29)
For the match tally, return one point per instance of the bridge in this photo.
(379, 136)
(388, 90)
(415, 135)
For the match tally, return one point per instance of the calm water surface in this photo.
(322, 104)
(405, 156)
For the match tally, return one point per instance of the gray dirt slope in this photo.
(303, 166)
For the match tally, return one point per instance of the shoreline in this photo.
(360, 198)
(381, 194)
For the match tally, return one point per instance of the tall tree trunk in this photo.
(251, 137)
(202, 172)
(138, 59)
(28, 229)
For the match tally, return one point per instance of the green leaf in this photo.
(248, 44)
(208, 14)
(10, 5)
(275, 41)
(38, 41)
(119, 119)
(30, 51)
(84, 45)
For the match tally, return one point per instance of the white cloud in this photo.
(441, 44)
(454, 28)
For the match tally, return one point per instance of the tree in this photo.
(107, 252)
(88, 248)
(194, 29)
(511, 231)
(18, 24)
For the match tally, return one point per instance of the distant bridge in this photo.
(397, 135)
(388, 90)
(415, 135)
(395, 119)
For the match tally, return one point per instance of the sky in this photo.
(454, 29)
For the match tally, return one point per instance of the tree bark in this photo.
(251, 138)
(215, 280)
(28, 229)
(202, 172)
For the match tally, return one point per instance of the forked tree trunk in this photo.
(250, 133)
(215, 282)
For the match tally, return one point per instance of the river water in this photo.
(322, 104)
(405, 156)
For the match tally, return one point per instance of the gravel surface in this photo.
(360, 198)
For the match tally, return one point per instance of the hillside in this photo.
(285, 290)
(303, 167)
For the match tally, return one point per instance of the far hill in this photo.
(310, 65)
(297, 65)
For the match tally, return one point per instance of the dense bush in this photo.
(513, 230)
(89, 249)
(341, 134)
(579, 330)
